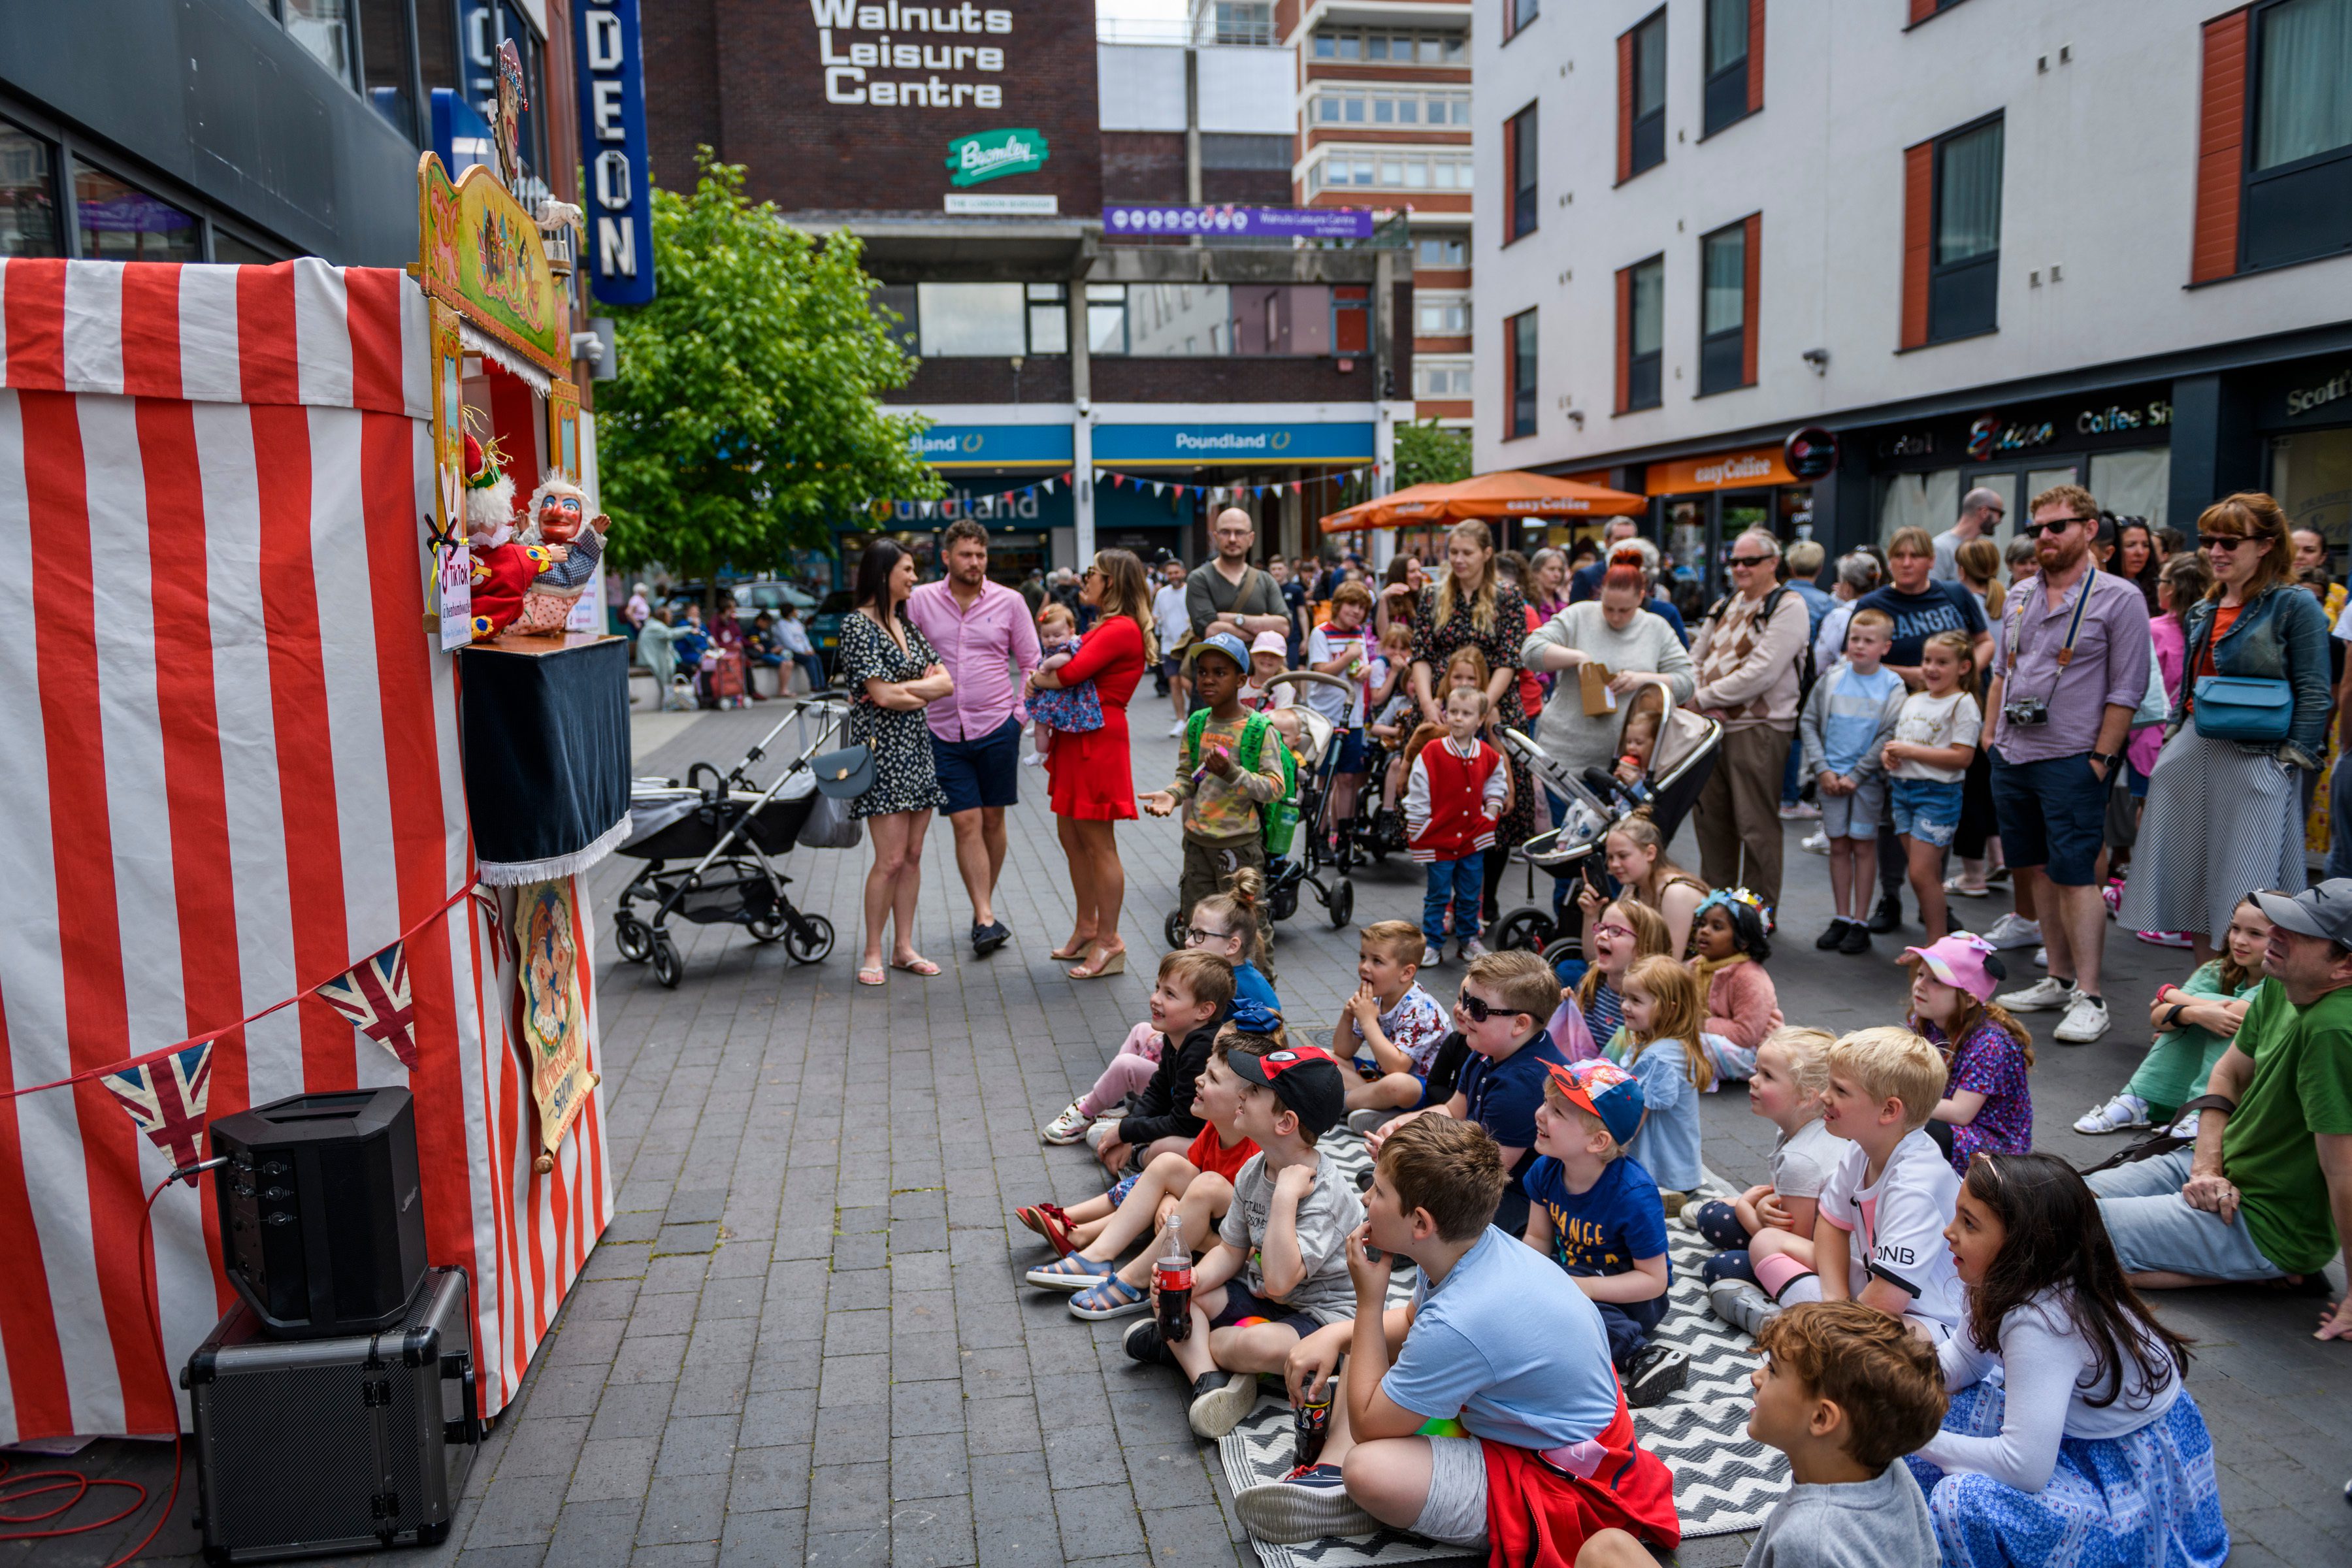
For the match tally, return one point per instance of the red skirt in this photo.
(1089, 774)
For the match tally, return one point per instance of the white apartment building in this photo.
(1981, 242)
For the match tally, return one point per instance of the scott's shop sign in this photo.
(993, 155)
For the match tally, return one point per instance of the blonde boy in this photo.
(1892, 1191)
(1845, 726)
(1390, 1029)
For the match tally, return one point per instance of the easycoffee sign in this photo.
(927, 56)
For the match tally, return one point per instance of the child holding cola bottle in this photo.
(1278, 1272)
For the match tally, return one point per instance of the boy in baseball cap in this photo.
(1596, 1213)
(1280, 1270)
(1228, 769)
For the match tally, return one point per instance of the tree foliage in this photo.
(745, 419)
(1429, 454)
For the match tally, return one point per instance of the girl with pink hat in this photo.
(1987, 1053)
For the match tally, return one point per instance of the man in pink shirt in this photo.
(982, 633)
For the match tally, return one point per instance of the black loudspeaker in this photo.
(335, 1445)
(321, 1220)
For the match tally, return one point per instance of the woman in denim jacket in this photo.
(2202, 857)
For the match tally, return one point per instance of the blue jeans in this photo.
(2154, 1229)
(815, 668)
(1458, 882)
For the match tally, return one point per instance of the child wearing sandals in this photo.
(1658, 1044)
(1987, 1053)
(2195, 1022)
(1196, 1186)
(1728, 950)
(1195, 992)
(2087, 1449)
(1792, 1071)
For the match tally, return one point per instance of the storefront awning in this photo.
(1511, 493)
(1751, 470)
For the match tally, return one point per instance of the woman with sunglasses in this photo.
(2257, 664)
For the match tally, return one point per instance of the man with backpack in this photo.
(1233, 773)
(1749, 651)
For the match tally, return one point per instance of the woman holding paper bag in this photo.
(1613, 631)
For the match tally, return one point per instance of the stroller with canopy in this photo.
(1681, 756)
(730, 833)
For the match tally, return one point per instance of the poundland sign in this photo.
(893, 55)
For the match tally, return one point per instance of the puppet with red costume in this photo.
(502, 568)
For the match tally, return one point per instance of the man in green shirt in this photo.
(2267, 1190)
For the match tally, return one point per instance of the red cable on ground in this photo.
(80, 1486)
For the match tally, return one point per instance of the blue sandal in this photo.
(1071, 1273)
(1114, 1298)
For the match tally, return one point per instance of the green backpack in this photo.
(1279, 818)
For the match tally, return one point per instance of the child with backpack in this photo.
(1231, 770)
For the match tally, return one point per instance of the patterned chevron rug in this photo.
(1724, 1480)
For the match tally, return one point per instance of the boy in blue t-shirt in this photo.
(1846, 724)
(1597, 1214)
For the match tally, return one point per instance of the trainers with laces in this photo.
(1888, 916)
(1831, 939)
(1800, 811)
(1471, 948)
(2085, 1020)
(1857, 939)
(1142, 1343)
(1177, 728)
(1819, 842)
(1308, 1504)
(1432, 955)
(2010, 931)
(2164, 938)
(2121, 1114)
(1219, 1400)
(2041, 958)
(1656, 1372)
(2043, 995)
(1741, 1303)
(1067, 1127)
(1371, 1117)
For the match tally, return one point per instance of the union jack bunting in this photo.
(166, 1099)
(373, 994)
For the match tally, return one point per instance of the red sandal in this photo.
(1048, 1221)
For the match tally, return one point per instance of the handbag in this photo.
(846, 774)
(2255, 712)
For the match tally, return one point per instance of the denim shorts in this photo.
(1927, 810)
(2154, 1228)
(2052, 814)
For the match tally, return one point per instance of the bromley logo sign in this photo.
(993, 155)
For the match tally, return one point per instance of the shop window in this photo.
(1642, 335)
(119, 222)
(1519, 173)
(2298, 182)
(1723, 310)
(1918, 500)
(1520, 364)
(28, 194)
(2311, 475)
(2134, 484)
(1964, 274)
(1725, 89)
(1641, 97)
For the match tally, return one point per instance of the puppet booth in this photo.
(278, 821)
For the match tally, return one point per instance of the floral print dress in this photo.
(1989, 1062)
(1433, 645)
(904, 778)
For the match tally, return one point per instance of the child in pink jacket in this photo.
(1729, 949)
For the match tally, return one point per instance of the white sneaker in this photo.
(2012, 932)
(2121, 1114)
(1177, 728)
(1431, 957)
(2187, 1126)
(2041, 958)
(2085, 1020)
(1819, 842)
(1470, 948)
(2041, 995)
(1067, 1127)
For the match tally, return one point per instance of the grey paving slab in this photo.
(803, 1338)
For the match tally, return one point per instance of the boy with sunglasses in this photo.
(1504, 1053)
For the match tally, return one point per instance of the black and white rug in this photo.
(1724, 1480)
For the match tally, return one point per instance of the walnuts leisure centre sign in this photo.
(935, 56)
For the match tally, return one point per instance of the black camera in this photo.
(2025, 711)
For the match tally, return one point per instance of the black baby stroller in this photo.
(1680, 760)
(730, 833)
(1317, 751)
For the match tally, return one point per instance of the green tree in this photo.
(1429, 454)
(745, 419)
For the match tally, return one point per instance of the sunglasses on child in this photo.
(1480, 1009)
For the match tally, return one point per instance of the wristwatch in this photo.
(2113, 759)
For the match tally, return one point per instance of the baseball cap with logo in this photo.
(2324, 911)
(1224, 643)
(1305, 1077)
(1603, 1090)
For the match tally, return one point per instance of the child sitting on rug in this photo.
(1596, 1214)
(1196, 1185)
(2195, 1022)
(1987, 1053)
(1234, 923)
(1193, 994)
(1276, 1273)
(1793, 1070)
(2087, 1449)
(1658, 1044)
(1626, 931)
(1844, 1392)
(1892, 1193)
(1484, 1412)
(1729, 951)
(1389, 1028)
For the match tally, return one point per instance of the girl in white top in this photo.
(2088, 1450)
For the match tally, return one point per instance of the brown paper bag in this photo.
(1593, 683)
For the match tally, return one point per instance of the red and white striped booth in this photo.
(229, 774)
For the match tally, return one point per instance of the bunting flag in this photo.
(373, 994)
(166, 1099)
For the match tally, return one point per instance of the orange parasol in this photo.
(1413, 504)
(1511, 493)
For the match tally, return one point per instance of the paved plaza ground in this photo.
(804, 1337)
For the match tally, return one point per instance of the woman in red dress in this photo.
(1093, 784)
